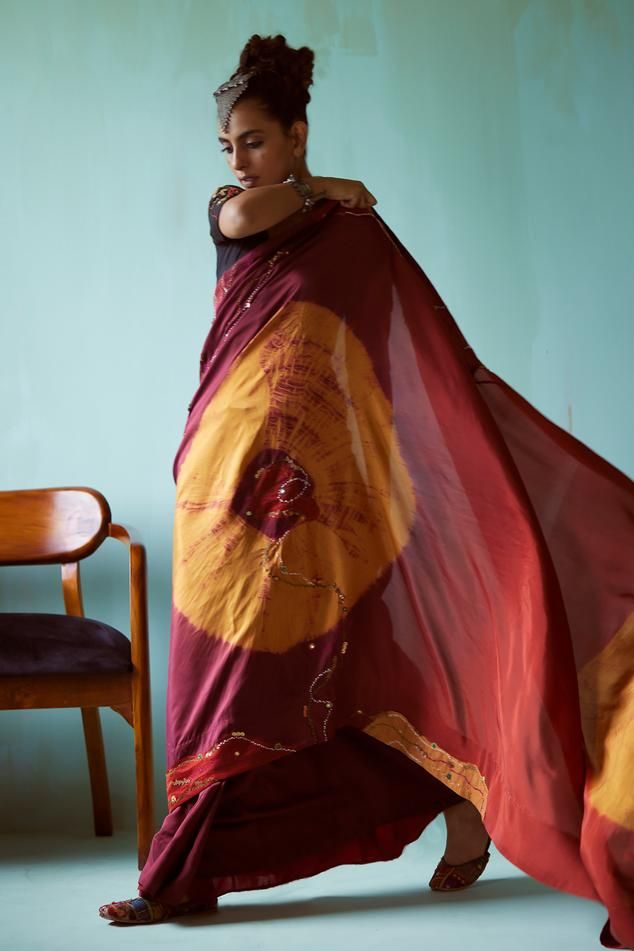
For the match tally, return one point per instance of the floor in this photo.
(51, 888)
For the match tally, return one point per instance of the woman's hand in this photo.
(350, 193)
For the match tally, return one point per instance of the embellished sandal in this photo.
(144, 911)
(453, 878)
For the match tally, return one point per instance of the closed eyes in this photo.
(249, 145)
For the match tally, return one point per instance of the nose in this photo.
(238, 158)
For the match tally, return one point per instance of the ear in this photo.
(299, 136)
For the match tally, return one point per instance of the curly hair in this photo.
(282, 79)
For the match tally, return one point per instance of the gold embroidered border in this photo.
(192, 774)
(464, 778)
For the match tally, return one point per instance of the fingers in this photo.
(366, 199)
(358, 197)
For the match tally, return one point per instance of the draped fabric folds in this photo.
(395, 583)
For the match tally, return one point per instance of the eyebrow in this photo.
(242, 134)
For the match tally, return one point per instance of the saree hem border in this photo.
(191, 775)
(463, 778)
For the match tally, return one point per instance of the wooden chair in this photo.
(67, 660)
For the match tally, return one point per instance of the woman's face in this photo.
(258, 150)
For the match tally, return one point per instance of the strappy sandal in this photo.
(454, 878)
(144, 911)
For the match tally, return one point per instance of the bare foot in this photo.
(466, 836)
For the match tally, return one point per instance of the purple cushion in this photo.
(59, 644)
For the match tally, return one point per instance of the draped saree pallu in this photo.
(395, 583)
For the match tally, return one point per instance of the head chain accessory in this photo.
(228, 94)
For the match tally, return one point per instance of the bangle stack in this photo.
(304, 191)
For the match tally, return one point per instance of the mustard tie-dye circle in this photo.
(294, 497)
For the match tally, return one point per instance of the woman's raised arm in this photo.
(258, 209)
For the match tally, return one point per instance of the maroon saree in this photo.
(395, 584)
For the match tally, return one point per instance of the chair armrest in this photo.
(138, 596)
(141, 707)
(124, 533)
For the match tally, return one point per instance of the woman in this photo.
(398, 589)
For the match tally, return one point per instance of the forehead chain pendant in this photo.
(228, 94)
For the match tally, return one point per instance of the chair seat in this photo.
(60, 644)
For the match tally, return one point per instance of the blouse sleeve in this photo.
(217, 200)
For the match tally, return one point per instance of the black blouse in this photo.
(228, 250)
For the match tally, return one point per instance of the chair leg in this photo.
(102, 813)
(144, 778)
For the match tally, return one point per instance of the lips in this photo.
(248, 182)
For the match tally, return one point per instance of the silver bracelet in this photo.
(303, 189)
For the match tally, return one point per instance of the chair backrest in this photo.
(51, 526)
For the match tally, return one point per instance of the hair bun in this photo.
(272, 54)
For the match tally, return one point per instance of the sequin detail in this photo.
(181, 787)
(323, 678)
(244, 304)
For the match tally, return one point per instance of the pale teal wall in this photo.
(498, 138)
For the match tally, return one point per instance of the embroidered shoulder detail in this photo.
(223, 193)
(217, 200)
